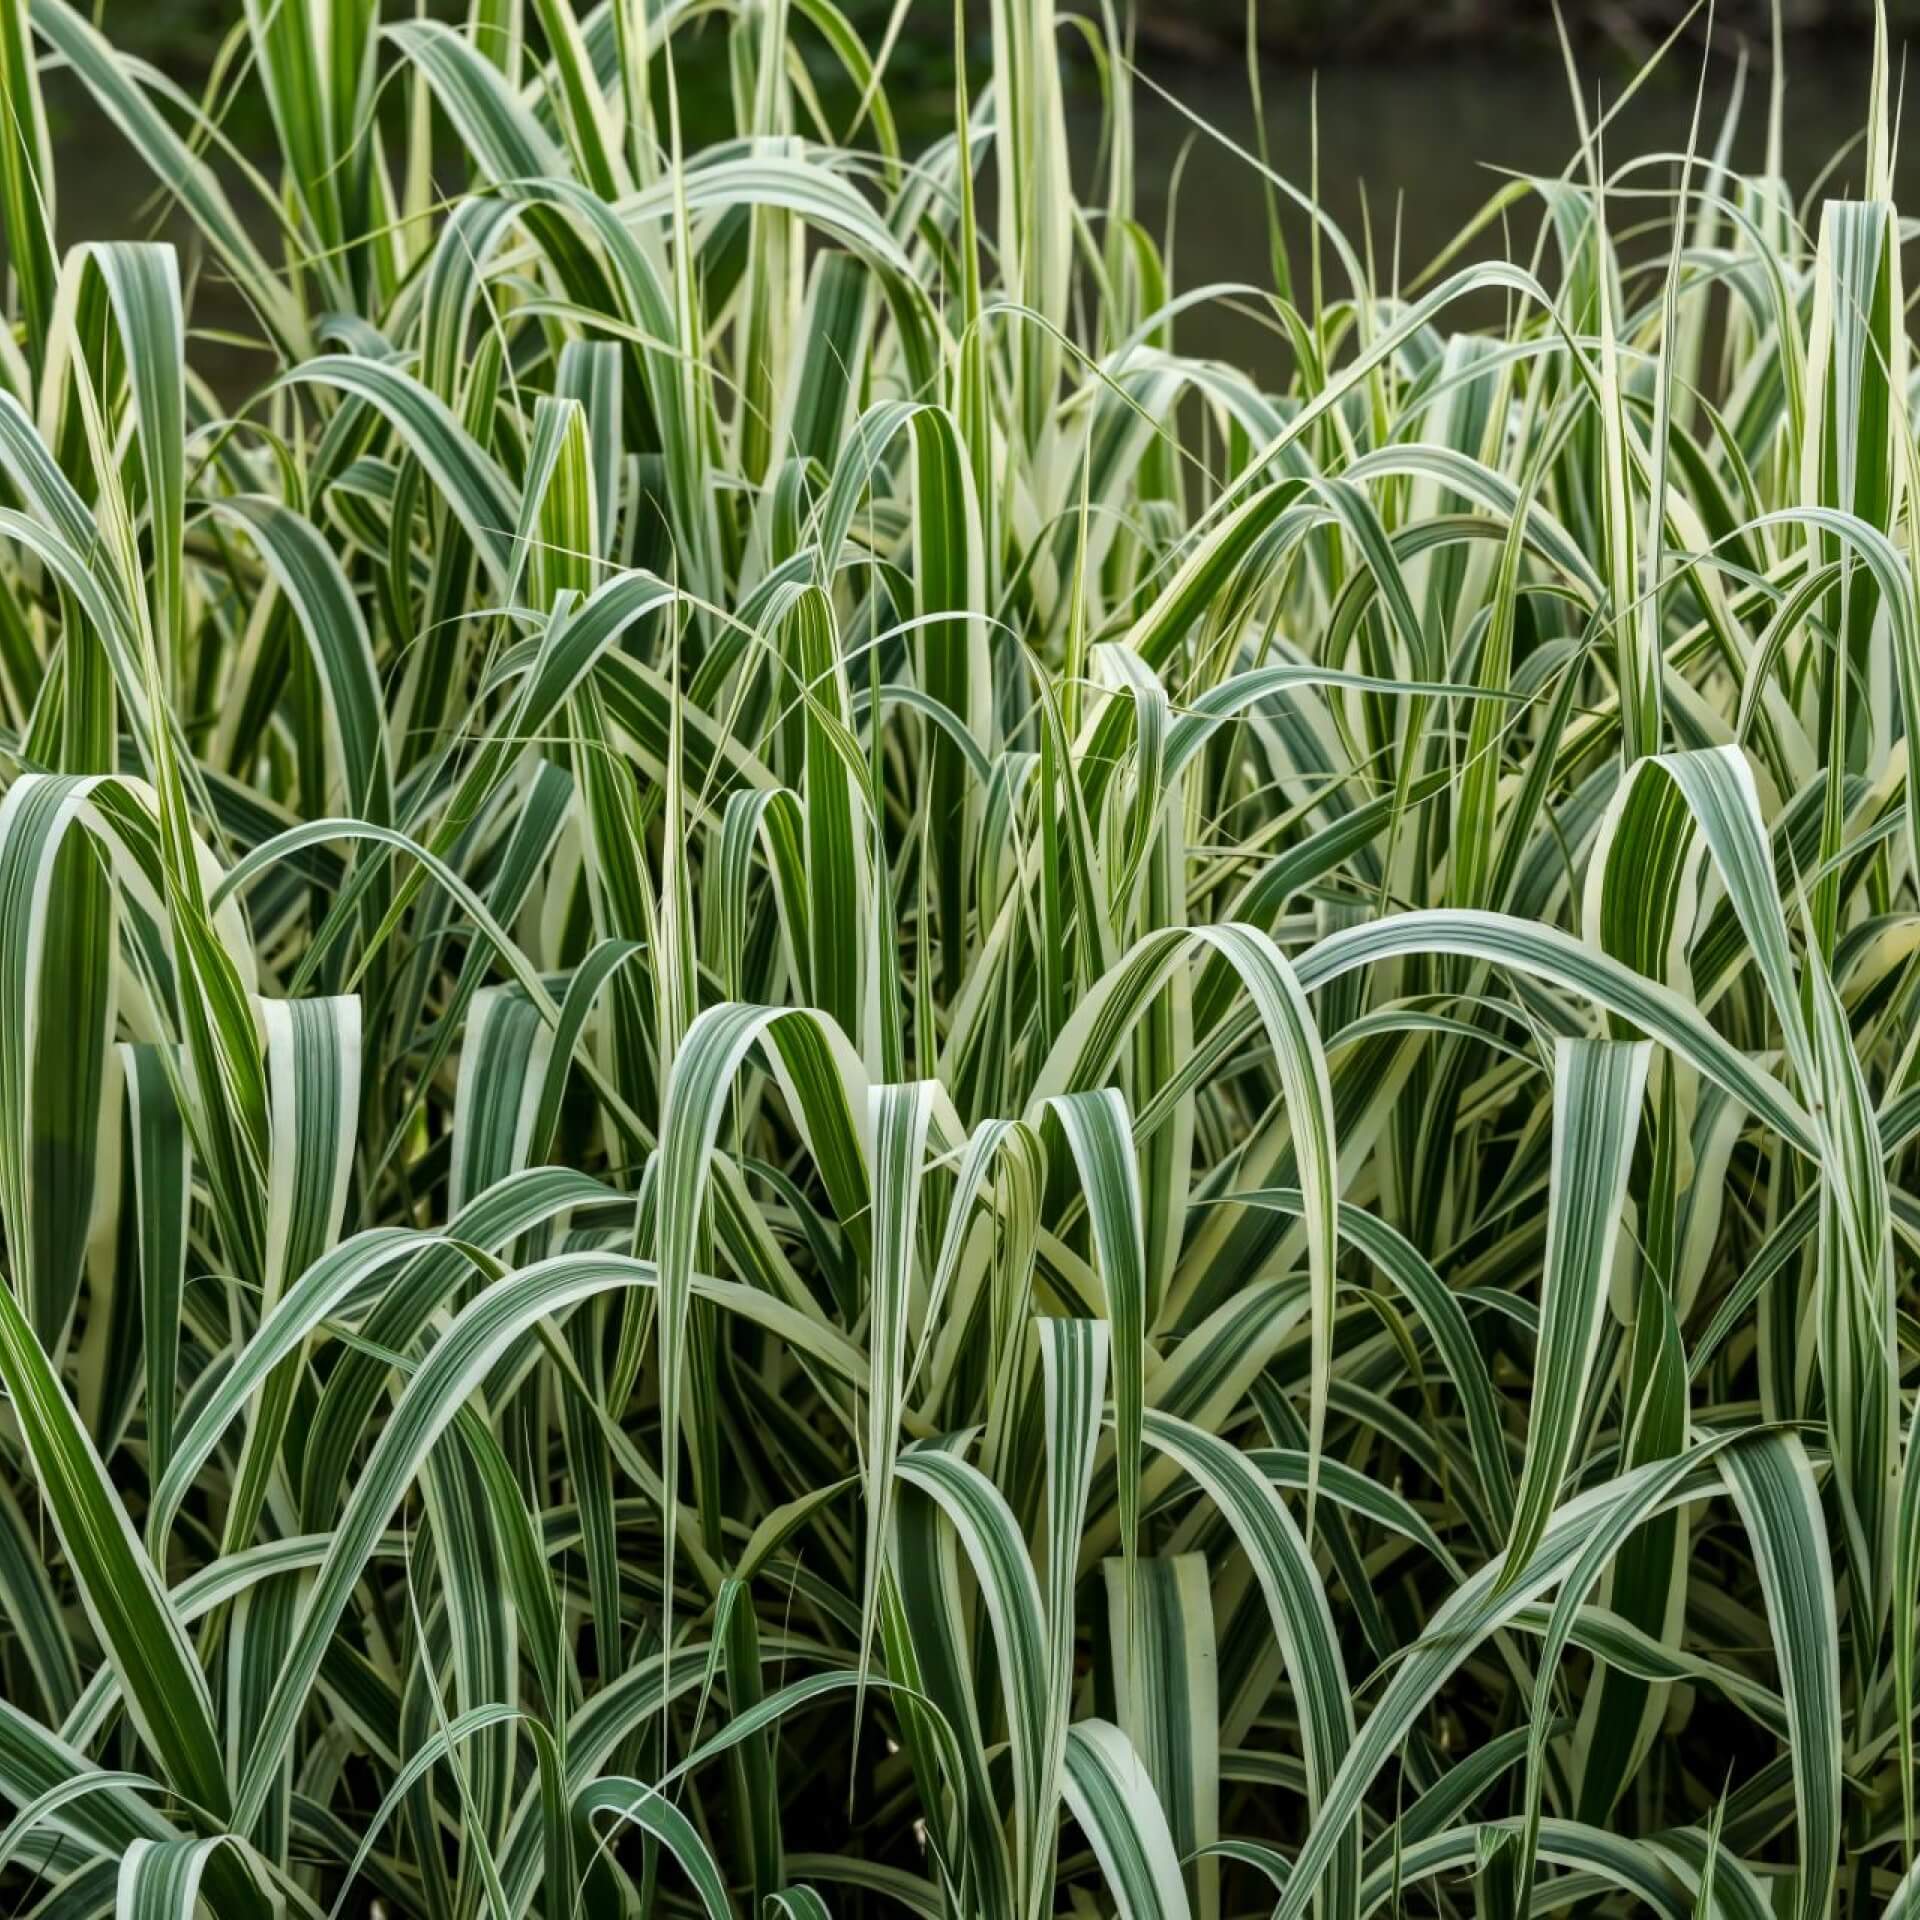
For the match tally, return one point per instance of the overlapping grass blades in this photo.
(824, 1089)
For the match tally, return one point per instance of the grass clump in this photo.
(821, 1090)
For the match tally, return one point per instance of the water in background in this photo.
(1419, 145)
(1419, 148)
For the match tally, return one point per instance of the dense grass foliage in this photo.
(823, 1092)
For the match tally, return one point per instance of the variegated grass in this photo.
(824, 1089)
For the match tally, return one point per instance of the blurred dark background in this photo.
(1423, 106)
(187, 32)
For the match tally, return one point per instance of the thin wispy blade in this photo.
(1653, 544)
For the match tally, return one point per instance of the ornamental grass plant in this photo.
(824, 1090)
